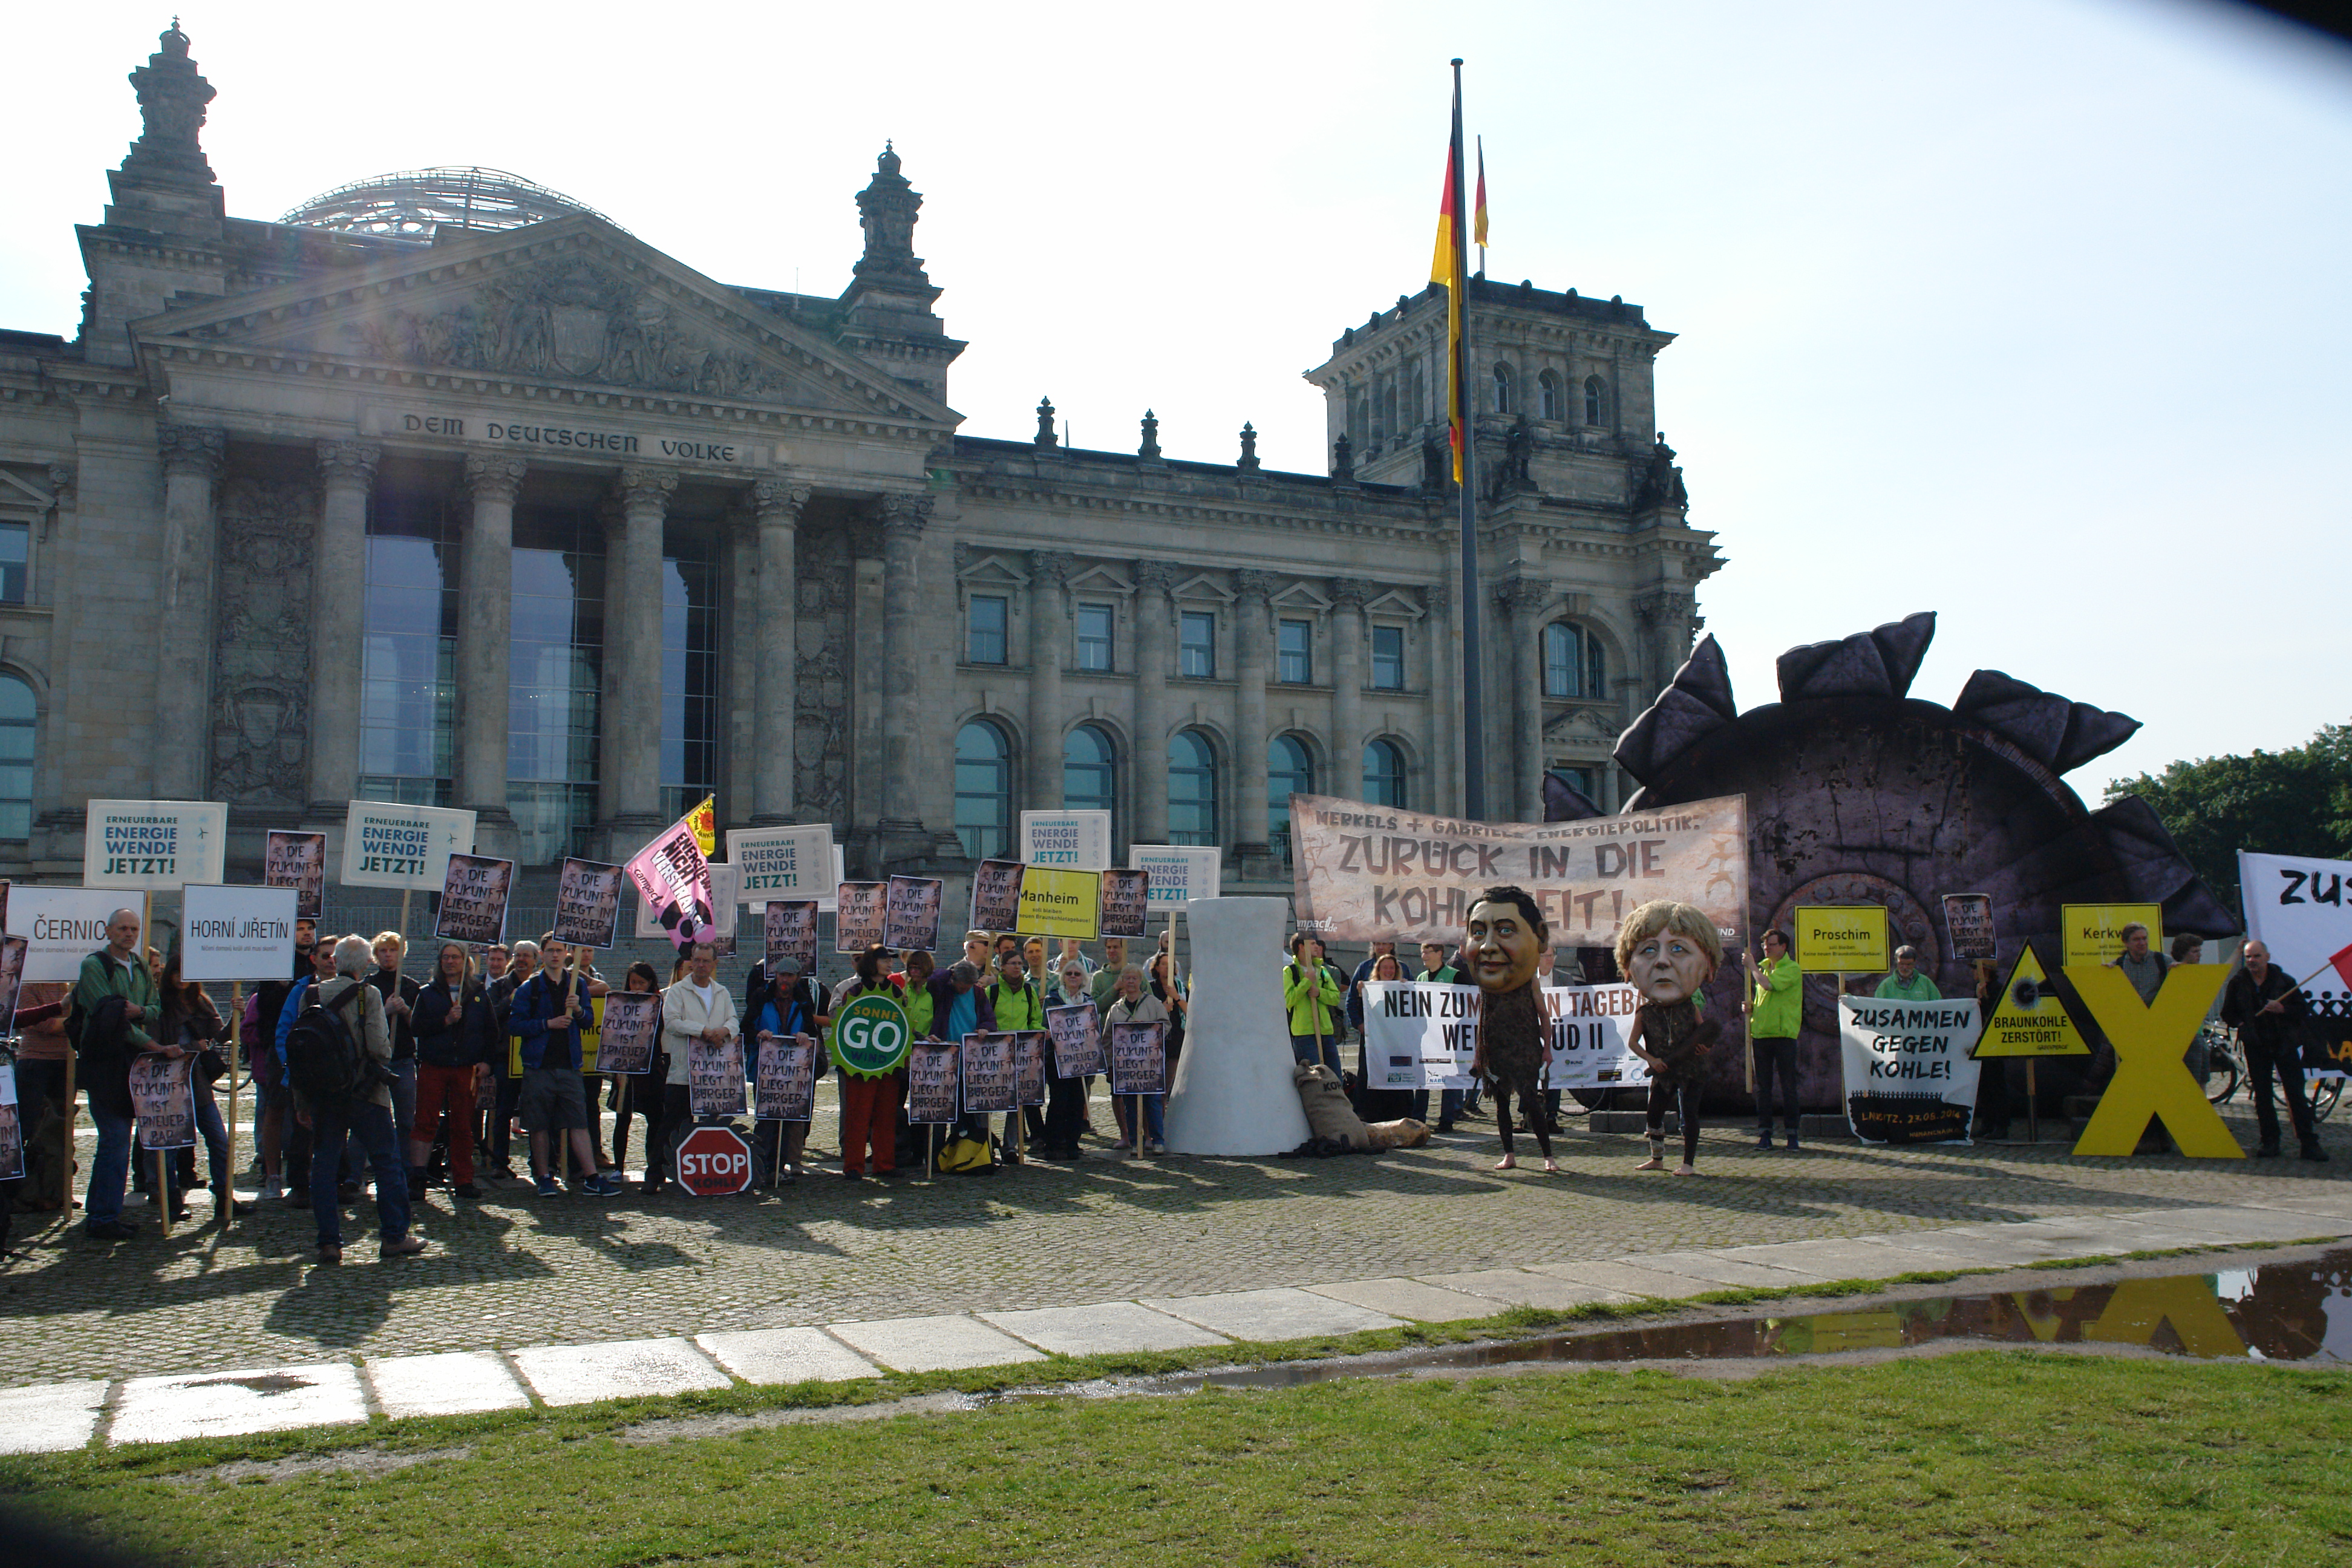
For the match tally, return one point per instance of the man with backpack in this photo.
(113, 999)
(339, 1060)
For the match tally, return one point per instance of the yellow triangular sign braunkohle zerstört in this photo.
(2030, 1021)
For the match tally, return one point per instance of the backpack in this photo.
(324, 1059)
(963, 1154)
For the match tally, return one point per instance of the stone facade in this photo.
(205, 474)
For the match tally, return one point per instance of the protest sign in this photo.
(931, 1083)
(1841, 939)
(1125, 902)
(1055, 903)
(153, 845)
(2301, 908)
(782, 862)
(160, 1100)
(714, 1161)
(403, 847)
(2030, 1020)
(631, 1031)
(2095, 932)
(1909, 1074)
(1076, 840)
(789, 928)
(870, 1034)
(860, 917)
(988, 1086)
(1076, 1034)
(1967, 917)
(997, 894)
(674, 876)
(786, 1087)
(588, 904)
(910, 914)
(1138, 1058)
(724, 909)
(297, 860)
(12, 980)
(1180, 872)
(1378, 874)
(12, 1126)
(237, 933)
(2151, 1041)
(1591, 1031)
(1419, 1036)
(825, 889)
(61, 926)
(714, 1077)
(474, 899)
(1029, 1049)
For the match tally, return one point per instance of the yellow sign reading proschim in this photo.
(2095, 932)
(1058, 902)
(1842, 939)
(2030, 1021)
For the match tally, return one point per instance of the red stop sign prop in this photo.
(713, 1161)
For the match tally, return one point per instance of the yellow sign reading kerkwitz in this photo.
(1058, 902)
(1841, 939)
(2094, 931)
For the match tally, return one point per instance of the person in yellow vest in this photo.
(1776, 1009)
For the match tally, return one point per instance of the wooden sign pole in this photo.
(227, 1199)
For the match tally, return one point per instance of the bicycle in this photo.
(2224, 1062)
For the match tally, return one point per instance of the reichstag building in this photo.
(443, 487)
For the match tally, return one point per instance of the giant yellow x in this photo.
(2151, 1079)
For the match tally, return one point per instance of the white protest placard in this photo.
(1123, 907)
(931, 1083)
(474, 896)
(406, 847)
(1138, 1058)
(784, 1088)
(825, 901)
(714, 1077)
(724, 910)
(2300, 908)
(61, 926)
(297, 860)
(1591, 1030)
(630, 1028)
(1029, 1049)
(988, 1082)
(997, 894)
(1180, 872)
(153, 845)
(1076, 1034)
(859, 922)
(910, 914)
(783, 862)
(1419, 1036)
(1074, 840)
(588, 904)
(1909, 1076)
(160, 1100)
(237, 933)
(790, 932)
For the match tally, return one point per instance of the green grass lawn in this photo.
(1976, 1457)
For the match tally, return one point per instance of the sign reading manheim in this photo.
(478, 428)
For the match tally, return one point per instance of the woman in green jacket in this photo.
(1312, 997)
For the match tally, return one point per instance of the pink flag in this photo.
(674, 878)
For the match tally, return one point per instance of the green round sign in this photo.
(871, 1036)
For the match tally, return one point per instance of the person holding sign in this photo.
(1311, 997)
(696, 1008)
(1502, 940)
(1906, 984)
(113, 1001)
(788, 1008)
(1017, 1006)
(195, 1025)
(549, 1011)
(1134, 1006)
(1066, 1098)
(870, 1105)
(457, 1039)
(1776, 1010)
(1669, 952)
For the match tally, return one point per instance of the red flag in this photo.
(2342, 960)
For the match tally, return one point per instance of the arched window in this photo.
(1290, 770)
(15, 758)
(1502, 387)
(1191, 789)
(1089, 771)
(1596, 400)
(1384, 774)
(1573, 663)
(1548, 395)
(984, 790)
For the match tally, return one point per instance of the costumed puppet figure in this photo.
(1669, 952)
(1505, 936)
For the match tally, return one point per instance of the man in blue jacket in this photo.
(548, 1012)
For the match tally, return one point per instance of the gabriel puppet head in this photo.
(1668, 950)
(1504, 935)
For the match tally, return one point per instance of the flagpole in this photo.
(1474, 717)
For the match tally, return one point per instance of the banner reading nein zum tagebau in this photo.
(672, 874)
(1373, 874)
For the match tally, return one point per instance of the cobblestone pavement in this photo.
(516, 1270)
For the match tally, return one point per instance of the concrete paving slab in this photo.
(1524, 1287)
(1107, 1329)
(2251, 1224)
(616, 1369)
(49, 1417)
(2082, 1235)
(1628, 1278)
(786, 1355)
(2153, 1232)
(1407, 1298)
(458, 1384)
(1282, 1313)
(1838, 1258)
(1720, 1270)
(233, 1404)
(2332, 1198)
(1991, 1245)
(948, 1343)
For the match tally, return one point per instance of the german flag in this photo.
(1449, 265)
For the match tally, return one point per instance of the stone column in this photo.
(1523, 600)
(338, 610)
(1253, 644)
(900, 819)
(1049, 629)
(484, 643)
(776, 504)
(184, 642)
(632, 699)
(1155, 616)
(1347, 687)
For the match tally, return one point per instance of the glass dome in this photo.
(414, 203)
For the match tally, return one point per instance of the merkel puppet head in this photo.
(1668, 950)
(1504, 936)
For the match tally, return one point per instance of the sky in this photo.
(2030, 314)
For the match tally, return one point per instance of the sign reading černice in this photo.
(153, 845)
(61, 926)
(387, 845)
(236, 934)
